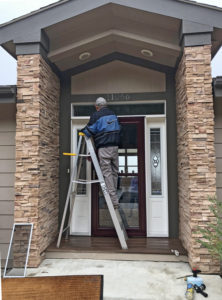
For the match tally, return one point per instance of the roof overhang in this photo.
(7, 94)
(66, 29)
(217, 87)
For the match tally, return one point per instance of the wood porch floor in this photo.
(80, 244)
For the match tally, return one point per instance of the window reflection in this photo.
(127, 188)
(128, 199)
(128, 161)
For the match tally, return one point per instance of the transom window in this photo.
(140, 109)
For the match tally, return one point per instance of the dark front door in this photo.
(131, 184)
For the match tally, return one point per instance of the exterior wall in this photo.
(218, 144)
(118, 77)
(195, 146)
(163, 89)
(37, 151)
(7, 174)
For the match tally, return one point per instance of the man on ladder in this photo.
(104, 127)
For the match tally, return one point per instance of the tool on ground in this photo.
(83, 142)
(194, 283)
(199, 289)
(176, 252)
(189, 292)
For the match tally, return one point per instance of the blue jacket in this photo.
(104, 127)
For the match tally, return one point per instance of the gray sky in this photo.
(10, 9)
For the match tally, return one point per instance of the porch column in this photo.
(37, 151)
(196, 153)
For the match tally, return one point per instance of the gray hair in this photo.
(101, 102)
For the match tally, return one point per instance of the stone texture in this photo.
(196, 153)
(20, 245)
(37, 151)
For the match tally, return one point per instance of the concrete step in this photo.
(115, 256)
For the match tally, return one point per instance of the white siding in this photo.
(7, 171)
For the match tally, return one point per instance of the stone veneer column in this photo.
(196, 153)
(37, 151)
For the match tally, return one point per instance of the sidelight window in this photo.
(155, 161)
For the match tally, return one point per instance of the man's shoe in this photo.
(116, 206)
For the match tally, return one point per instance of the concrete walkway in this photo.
(133, 280)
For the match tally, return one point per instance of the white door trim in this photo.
(157, 226)
(156, 205)
(81, 217)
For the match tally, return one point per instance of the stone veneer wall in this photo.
(37, 151)
(196, 153)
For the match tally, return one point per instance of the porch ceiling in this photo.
(67, 28)
(114, 28)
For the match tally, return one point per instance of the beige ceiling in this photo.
(114, 28)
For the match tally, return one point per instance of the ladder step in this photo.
(65, 229)
(85, 181)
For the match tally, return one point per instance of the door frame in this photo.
(148, 119)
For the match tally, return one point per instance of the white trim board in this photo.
(156, 205)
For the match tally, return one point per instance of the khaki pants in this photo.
(109, 164)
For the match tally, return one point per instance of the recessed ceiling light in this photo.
(84, 56)
(147, 53)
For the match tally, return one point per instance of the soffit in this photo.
(114, 28)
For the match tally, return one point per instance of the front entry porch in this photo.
(139, 248)
(71, 56)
